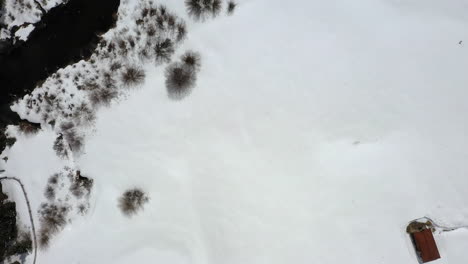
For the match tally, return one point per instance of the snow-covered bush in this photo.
(132, 201)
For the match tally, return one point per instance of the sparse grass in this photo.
(132, 201)
(132, 76)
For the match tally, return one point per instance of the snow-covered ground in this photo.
(317, 130)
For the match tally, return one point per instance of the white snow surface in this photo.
(24, 32)
(316, 132)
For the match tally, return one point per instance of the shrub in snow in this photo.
(132, 201)
(83, 114)
(82, 209)
(231, 7)
(192, 59)
(80, 185)
(181, 76)
(75, 141)
(102, 96)
(28, 128)
(66, 126)
(89, 86)
(180, 79)
(53, 218)
(164, 50)
(49, 192)
(202, 9)
(122, 46)
(60, 147)
(132, 76)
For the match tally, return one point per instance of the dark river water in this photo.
(65, 35)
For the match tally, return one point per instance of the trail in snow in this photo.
(441, 227)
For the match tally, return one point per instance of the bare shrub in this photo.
(132, 201)
(74, 140)
(81, 185)
(123, 48)
(115, 65)
(180, 79)
(108, 80)
(231, 7)
(132, 76)
(200, 10)
(10, 141)
(192, 59)
(83, 209)
(216, 7)
(195, 9)
(53, 180)
(22, 245)
(53, 218)
(49, 192)
(60, 147)
(102, 96)
(44, 237)
(181, 31)
(89, 86)
(83, 114)
(164, 51)
(66, 126)
(52, 215)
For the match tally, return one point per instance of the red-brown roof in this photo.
(425, 245)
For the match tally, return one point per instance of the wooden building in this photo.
(423, 241)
